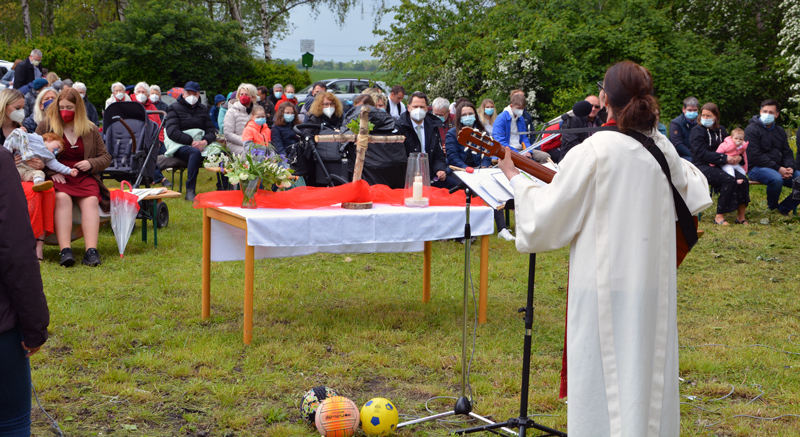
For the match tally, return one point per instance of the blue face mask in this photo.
(767, 119)
(288, 118)
(261, 121)
(488, 111)
(442, 118)
(467, 120)
(278, 94)
(289, 96)
(691, 115)
(707, 122)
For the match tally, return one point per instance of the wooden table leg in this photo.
(483, 296)
(249, 273)
(206, 298)
(426, 272)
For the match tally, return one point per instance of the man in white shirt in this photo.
(396, 106)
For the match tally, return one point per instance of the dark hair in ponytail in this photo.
(629, 91)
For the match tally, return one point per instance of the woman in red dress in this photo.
(85, 150)
(41, 204)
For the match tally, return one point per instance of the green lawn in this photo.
(130, 355)
(333, 74)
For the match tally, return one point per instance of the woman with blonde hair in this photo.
(33, 120)
(326, 110)
(487, 114)
(84, 150)
(237, 117)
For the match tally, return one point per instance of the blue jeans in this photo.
(194, 160)
(775, 183)
(15, 386)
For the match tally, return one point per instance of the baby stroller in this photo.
(322, 165)
(132, 141)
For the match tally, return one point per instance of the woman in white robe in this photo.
(612, 204)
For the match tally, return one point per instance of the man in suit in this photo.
(422, 133)
(28, 70)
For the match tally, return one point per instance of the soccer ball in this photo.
(312, 399)
(337, 417)
(379, 417)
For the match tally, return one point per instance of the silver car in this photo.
(345, 89)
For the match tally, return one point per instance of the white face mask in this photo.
(258, 98)
(154, 98)
(119, 96)
(141, 98)
(191, 100)
(83, 95)
(17, 116)
(418, 114)
(35, 62)
(328, 111)
(518, 112)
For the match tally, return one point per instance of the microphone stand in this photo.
(463, 405)
(523, 422)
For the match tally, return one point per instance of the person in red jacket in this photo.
(141, 92)
(288, 96)
(256, 131)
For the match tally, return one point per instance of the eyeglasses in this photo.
(596, 106)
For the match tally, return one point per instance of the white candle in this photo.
(417, 188)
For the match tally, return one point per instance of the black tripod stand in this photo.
(463, 405)
(523, 422)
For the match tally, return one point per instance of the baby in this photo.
(734, 145)
(46, 148)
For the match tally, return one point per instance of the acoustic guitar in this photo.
(485, 144)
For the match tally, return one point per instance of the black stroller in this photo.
(132, 141)
(322, 165)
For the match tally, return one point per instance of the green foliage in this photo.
(260, 72)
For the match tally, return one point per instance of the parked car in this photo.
(345, 89)
(4, 67)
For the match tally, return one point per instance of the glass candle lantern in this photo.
(418, 181)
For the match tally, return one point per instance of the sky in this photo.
(330, 41)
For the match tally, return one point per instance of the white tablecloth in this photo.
(279, 233)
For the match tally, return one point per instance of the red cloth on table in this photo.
(41, 209)
(320, 197)
(83, 185)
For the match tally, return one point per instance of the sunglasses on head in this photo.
(600, 85)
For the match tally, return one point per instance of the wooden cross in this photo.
(362, 140)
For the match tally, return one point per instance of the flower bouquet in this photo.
(258, 165)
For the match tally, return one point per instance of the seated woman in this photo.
(283, 135)
(458, 156)
(487, 115)
(288, 96)
(704, 139)
(118, 94)
(41, 205)
(237, 117)
(84, 150)
(326, 110)
(45, 97)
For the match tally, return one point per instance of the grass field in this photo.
(332, 74)
(129, 354)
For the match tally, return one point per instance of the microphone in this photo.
(582, 108)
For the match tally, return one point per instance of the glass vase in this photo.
(249, 189)
(418, 182)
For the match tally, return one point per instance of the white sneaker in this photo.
(505, 234)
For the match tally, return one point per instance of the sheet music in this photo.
(491, 185)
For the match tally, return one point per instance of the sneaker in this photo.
(67, 259)
(505, 234)
(189, 194)
(43, 186)
(91, 258)
(166, 183)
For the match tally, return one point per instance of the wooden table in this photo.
(238, 221)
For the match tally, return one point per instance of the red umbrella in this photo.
(175, 92)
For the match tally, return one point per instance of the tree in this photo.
(26, 19)
(790, 47)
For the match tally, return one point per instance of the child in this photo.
(46, 148)
(257, 131)
(734, 145)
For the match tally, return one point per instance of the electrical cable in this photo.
(54, 428)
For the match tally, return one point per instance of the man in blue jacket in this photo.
(681, 125)
(509, 123)
(769, 157)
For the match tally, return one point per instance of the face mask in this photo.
(119, 96)
(35, 63)
(382, 109)
(141, 98)
(261, 121)
(707, 122)
(154, 98)
(467, 120)
(442, 118)
(83, 96)
(518, 112)
(17, 116)
(418, 114)
(67, 116)
(288, 118)
(328, 111)
(278, 94)
(488, 111)
(258, 98)
(245, 100)
(290, 96)
(191, 100)
(691, 115)
(767, 119)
